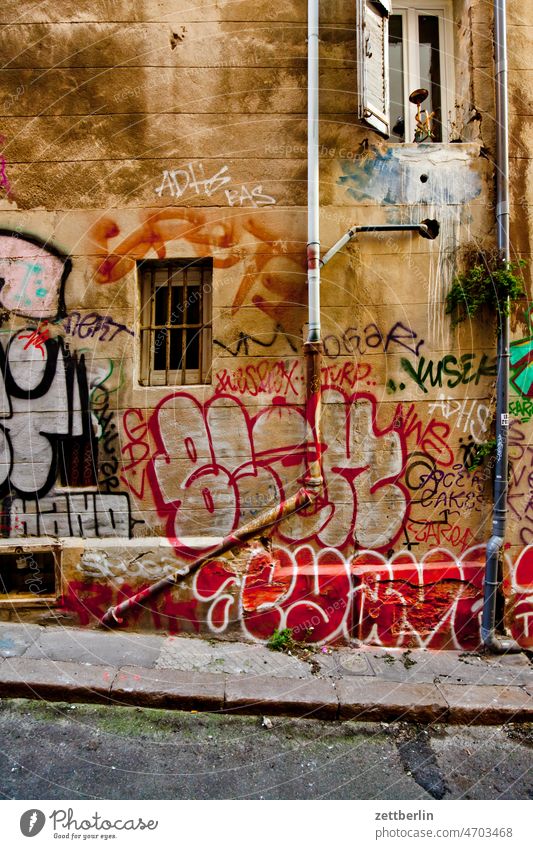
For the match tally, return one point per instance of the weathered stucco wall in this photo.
(147, 129)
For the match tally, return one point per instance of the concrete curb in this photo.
(55, 680)
(361, 698)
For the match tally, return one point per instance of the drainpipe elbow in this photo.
(493, 548)
(111, 619)
(499, 645)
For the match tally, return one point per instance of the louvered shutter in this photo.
(372, 19)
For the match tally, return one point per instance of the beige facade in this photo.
(136, 132)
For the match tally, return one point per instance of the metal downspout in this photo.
(499, 518)
(313, 483)
(313, 343)
(313, 227)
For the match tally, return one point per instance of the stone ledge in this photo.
(290, 696)
(369, 698)
(55, 680)
(486, 705)
(361, 698)
(168, 688)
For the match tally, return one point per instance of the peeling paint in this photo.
(393, 176)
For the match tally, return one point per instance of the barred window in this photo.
(175, 340)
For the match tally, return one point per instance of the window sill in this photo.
(426, 147)
(27, 600)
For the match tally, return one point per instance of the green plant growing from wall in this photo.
(485, 282)
(484, 451)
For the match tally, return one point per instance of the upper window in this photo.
(175, 338)
(420, 58)
(402, 50)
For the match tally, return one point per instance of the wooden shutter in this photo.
(372, 20)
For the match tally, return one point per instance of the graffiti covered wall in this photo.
(177, 158)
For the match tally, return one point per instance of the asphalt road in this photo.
(61, 751)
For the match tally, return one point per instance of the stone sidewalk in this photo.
(364, 683)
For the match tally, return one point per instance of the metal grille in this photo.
(176, 322)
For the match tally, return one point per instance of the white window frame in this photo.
(410, 10)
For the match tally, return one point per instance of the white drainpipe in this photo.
(313, 202)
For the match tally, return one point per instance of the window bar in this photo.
(151, 334)
(184, 325)
(167, 323)
(201, 328)
(208, 322)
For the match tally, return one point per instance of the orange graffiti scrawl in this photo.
(268, 259)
